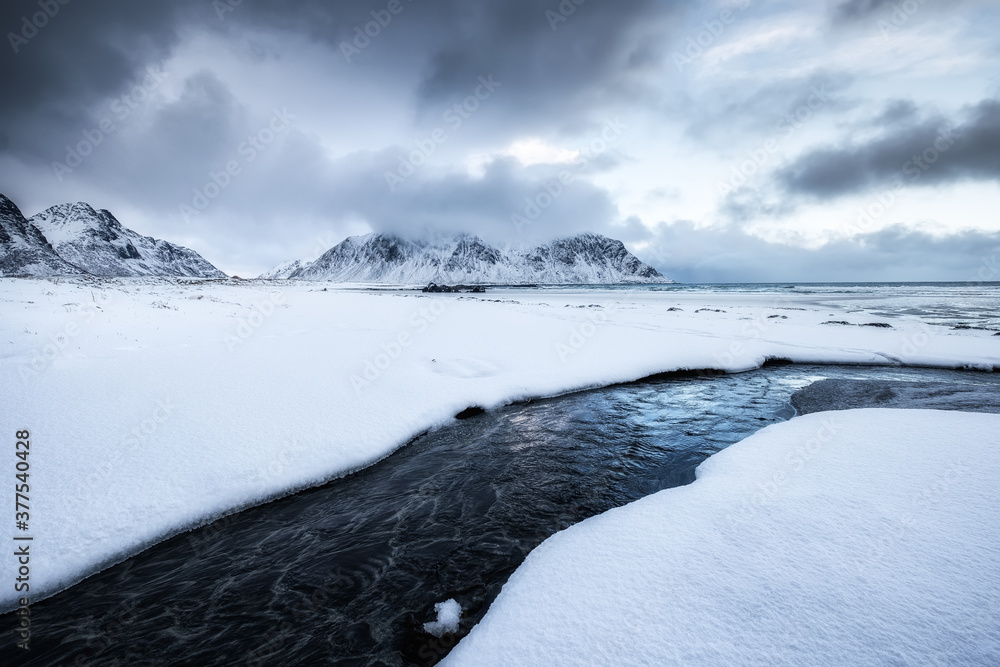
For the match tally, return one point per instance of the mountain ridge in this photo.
(24, 250)
(75, 240)
(465, 258)
(95, 241)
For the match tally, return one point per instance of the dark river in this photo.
(348, 573)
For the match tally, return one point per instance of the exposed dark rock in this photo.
(434, 287)
(850, 394)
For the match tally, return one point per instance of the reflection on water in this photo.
(348, 573)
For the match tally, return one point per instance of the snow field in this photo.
(158, 406)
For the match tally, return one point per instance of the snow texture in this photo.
(383, 258)
(156, 406)
(449, 613)
(862, 537)
(284, 270)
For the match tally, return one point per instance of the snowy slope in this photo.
(96, 242)
(862, 537)
(24, 251)
(284, 270)
(157, 405)
(464, 258)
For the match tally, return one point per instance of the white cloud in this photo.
(537, 151)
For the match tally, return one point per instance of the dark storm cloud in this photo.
(197, 133)
(897, 112)
(561, 79)
(506, 204)
(292, 194)
(85, 52)
(853, 10)
(556, 69)
(750, 204)
(691, 254)
(89, 51)
(888, 15)
(552, 64)
(926, 152)
(431, 200)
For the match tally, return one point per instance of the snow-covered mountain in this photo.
(464, 258)
(284, 270)
(24, 251)
(97, 243)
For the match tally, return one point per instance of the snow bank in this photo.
(864, 537)
(155, 407)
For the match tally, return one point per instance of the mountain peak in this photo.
(24, 250)
(95, 241)
(9, 208)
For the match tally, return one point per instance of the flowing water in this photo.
(348, 573)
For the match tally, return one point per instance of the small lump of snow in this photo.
(449, 612)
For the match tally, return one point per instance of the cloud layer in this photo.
(256, 131)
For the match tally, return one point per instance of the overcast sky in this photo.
(721, 141)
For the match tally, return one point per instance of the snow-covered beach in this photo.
(406, 333)
(156, 406)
